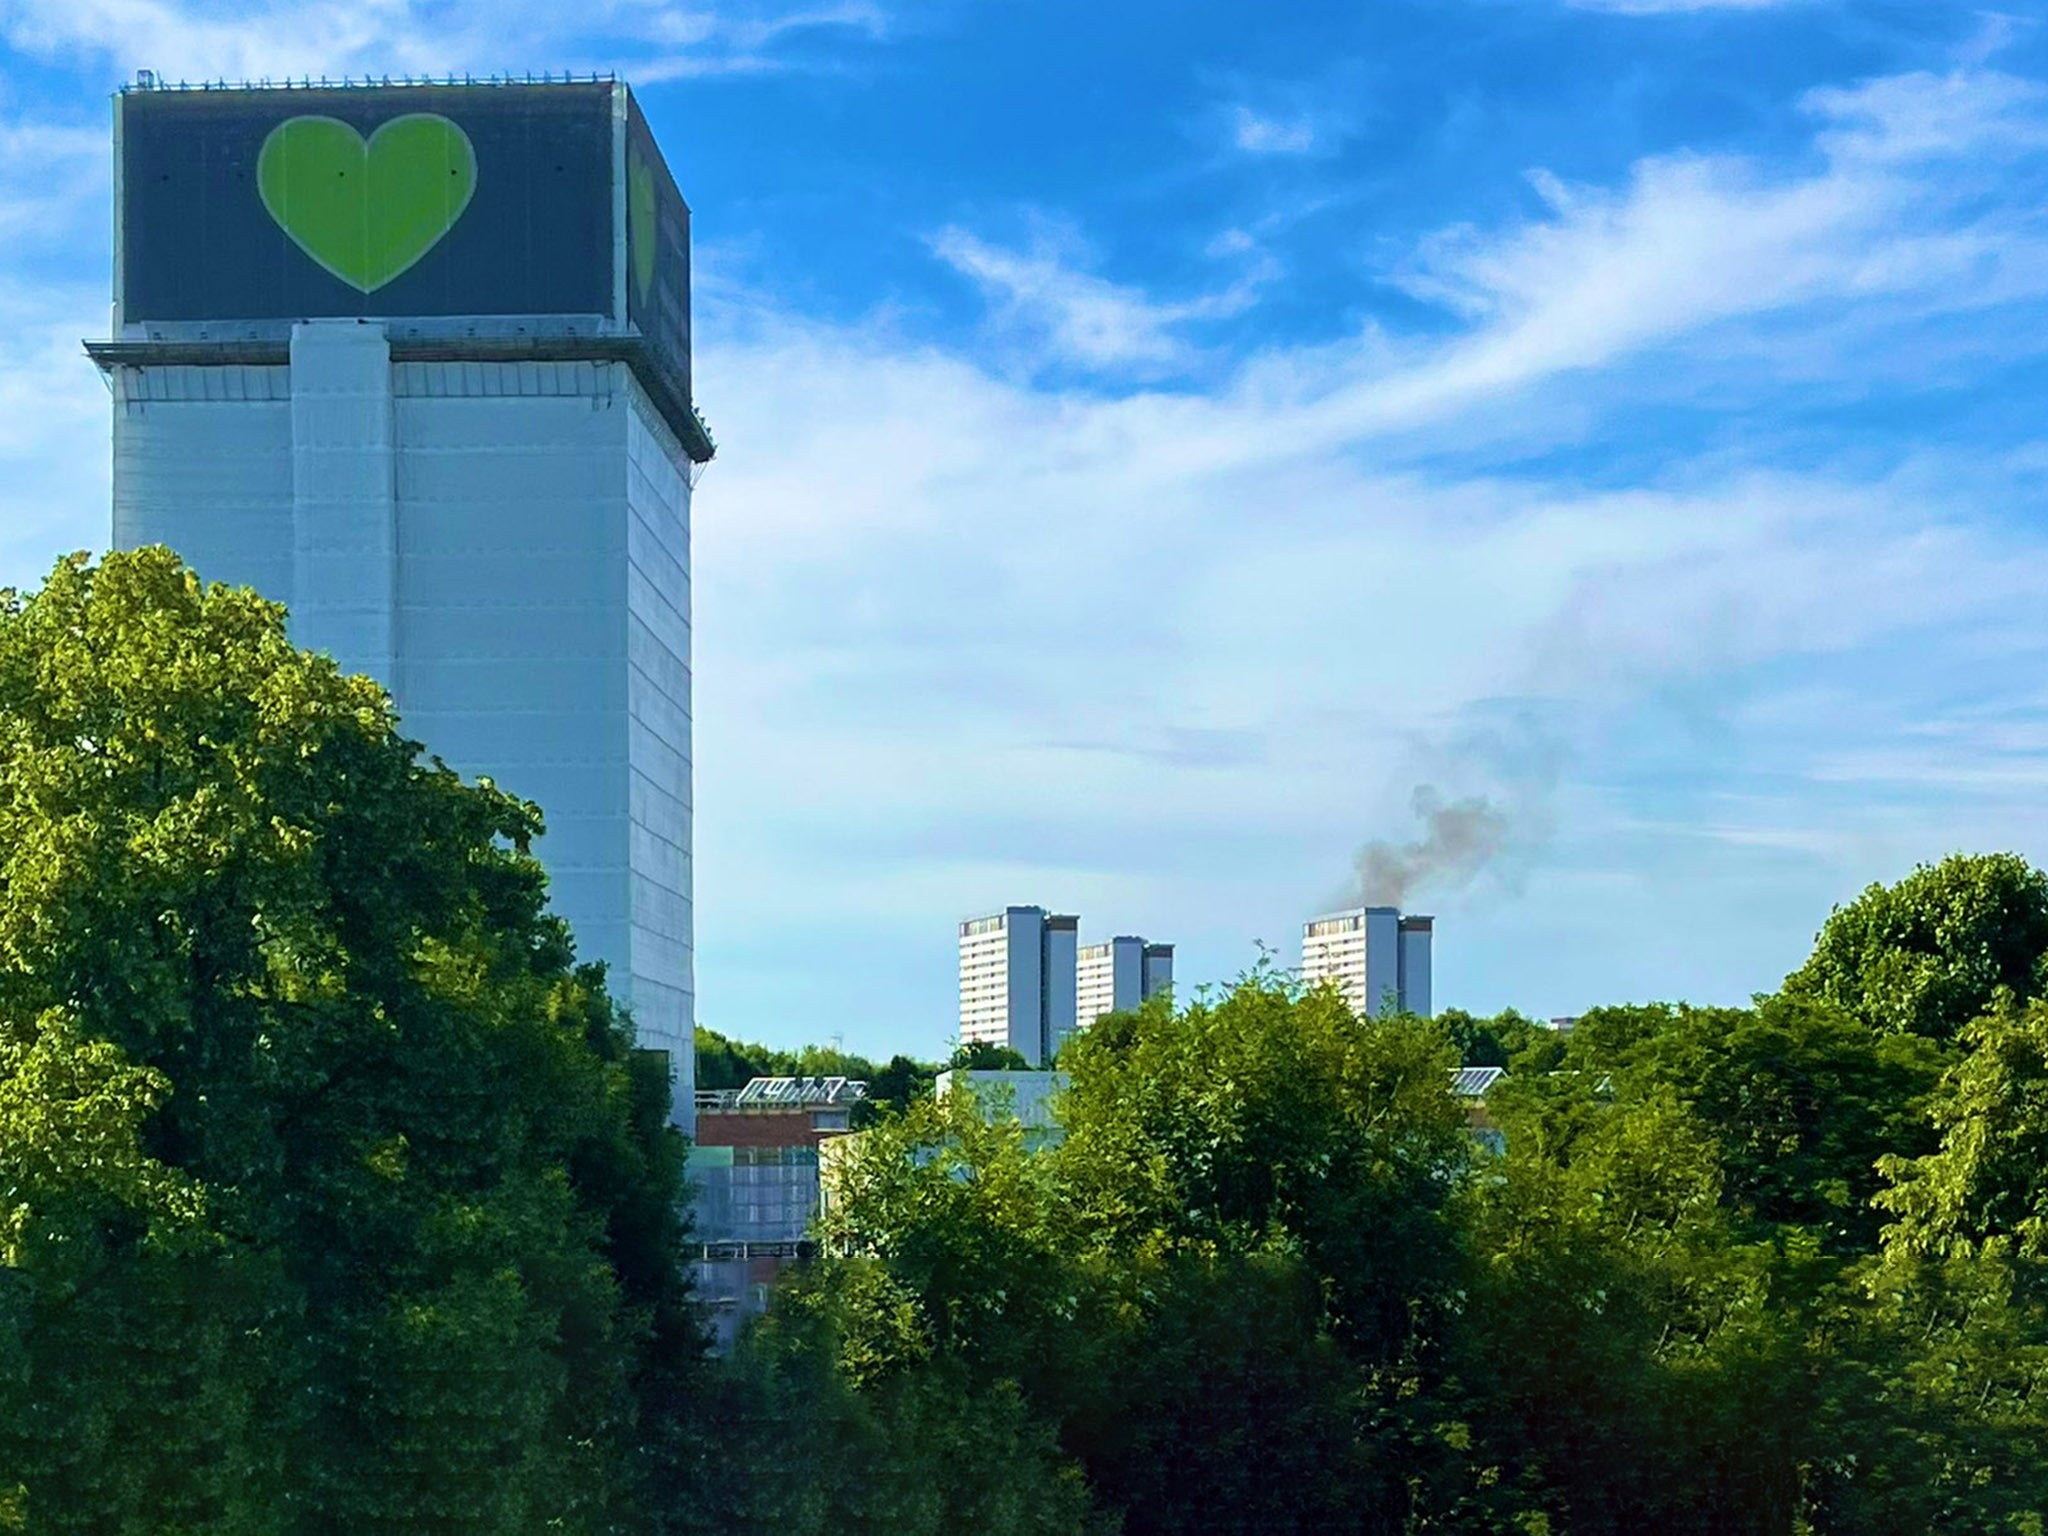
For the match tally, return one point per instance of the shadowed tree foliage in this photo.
(1490, 1042)
(981, 1056)
(1942, 1405)
(800, 1445)
(1238, 1257)
(333, 1195)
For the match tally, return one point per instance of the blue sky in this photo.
(1157, 439)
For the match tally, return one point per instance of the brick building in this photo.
(755, 1165)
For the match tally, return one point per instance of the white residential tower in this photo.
(1017, 981)
(1379, 959)
(1118, 975)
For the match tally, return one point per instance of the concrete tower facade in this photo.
(1118, 974)
(1417, 937)
(1017, 981)
(415, 362)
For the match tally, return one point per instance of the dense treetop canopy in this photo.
(1776, 1269)
(333, 1195)
(334, 1198)
(1929, 954)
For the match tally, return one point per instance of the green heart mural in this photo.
(367, 210)
(640, 224)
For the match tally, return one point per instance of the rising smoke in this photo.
(1459, 839)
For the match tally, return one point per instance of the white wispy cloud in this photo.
(1082, 318)
(1170, 653)
(1674, 7)
(1911, 216)
(1038, 666)
(55, 465)
(1259, 134)
(1914, 215)
(52, 177)
(1166, 646)
(240, 40)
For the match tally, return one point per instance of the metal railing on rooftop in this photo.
(783, 1093)
(150, 80)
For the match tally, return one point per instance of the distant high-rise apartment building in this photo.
(1379, 959)
(1017, 971)
(1119, 975)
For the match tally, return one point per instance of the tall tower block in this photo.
(1377, 958)
(415, 361)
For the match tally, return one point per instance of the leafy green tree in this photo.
(1988, 1181)
(1928, 955)
(1632, 1357)
(981, 1056)
(727, 1063)
(899, 1084)
(1276, 1110)
(1490, 1042)
(1774, 1270)
(1799, 1100)
(1691, 1323)
(122, 1406)
(1941, 1407)
(336, 1197)
(1235, 1260)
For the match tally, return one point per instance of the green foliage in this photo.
(725, 1063)
(1800, 1098)
(728, 1063)
(1628, 1356)
(1490, 1042)
(1928, 955)
(892, 1087)
(1234, 1257)
(981, 1056)
(1941, 1413)
(1723, 1254)
(335, 1196)
(1275, 1112)
(803, 1451)
(899, 1084)
(1774, 1269)
(1987, 1183)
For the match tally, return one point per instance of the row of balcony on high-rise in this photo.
(1027, 982)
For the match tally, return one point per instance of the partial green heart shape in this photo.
(367, 210)
(640, 224)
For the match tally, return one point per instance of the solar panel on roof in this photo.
(1472, 1082)
(801, 1091)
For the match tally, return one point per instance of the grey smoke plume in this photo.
(1459, 839)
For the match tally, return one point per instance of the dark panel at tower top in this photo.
(657, 246)
(503, 209)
